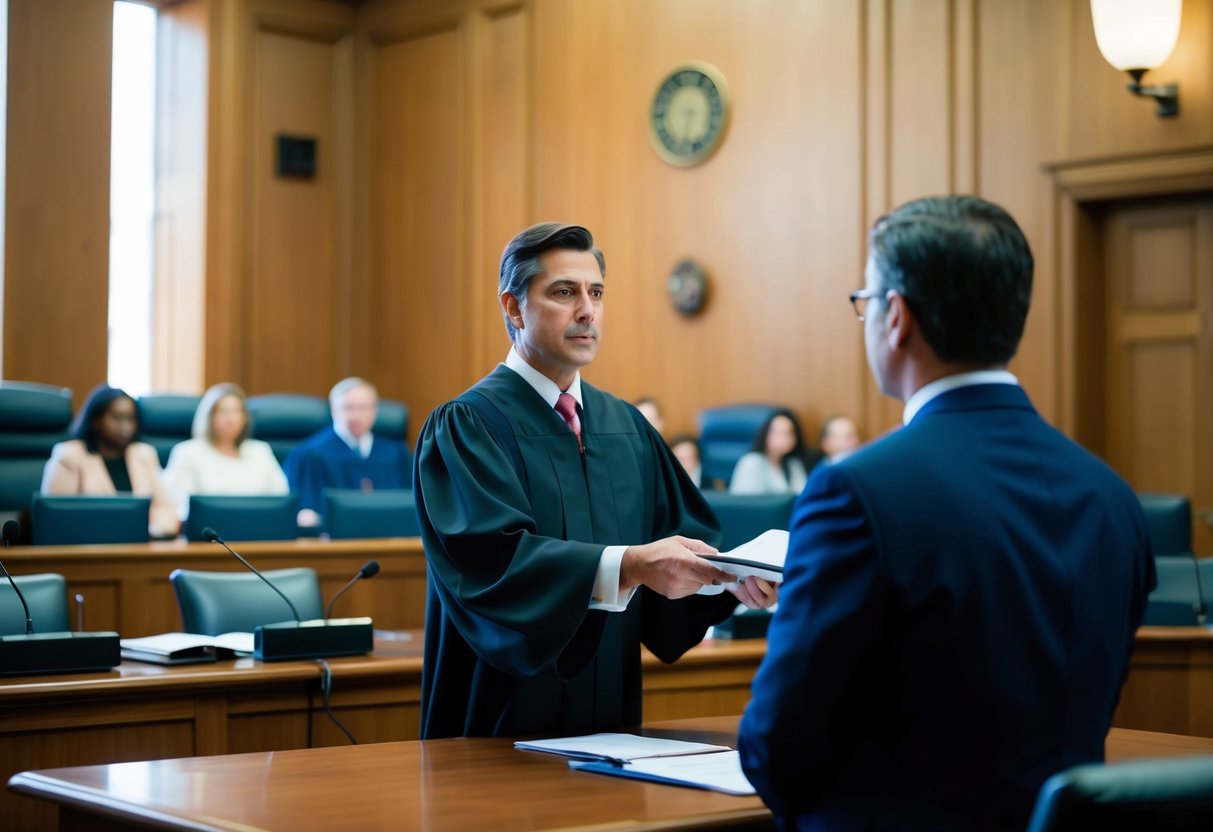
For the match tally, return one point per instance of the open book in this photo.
(674, 762)
(186, 648)
(762, 557)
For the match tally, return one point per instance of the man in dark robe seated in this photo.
(560, 532)
(348, 454)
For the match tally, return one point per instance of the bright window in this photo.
(132, 197)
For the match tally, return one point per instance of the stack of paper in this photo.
(674, 762)
(186, 648)
(762, 557)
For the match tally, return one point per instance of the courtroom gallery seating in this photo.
(73, 520)
(1167, 794)
(166, 419)
(261, 517)
(725, 434)
(46, 595)
(33, 417)
(213, 603)
(286, 419)
(386, 512)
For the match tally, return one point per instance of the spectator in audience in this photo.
(839, 438)
(777, 461)
(104, 458)
(651, 410)
(348, 454)
(686, 448)
(221, 458)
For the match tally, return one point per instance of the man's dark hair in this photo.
(799, 451)
(965, 270)
(520, 260)
(98, 401)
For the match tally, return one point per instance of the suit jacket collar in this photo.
(977, 397)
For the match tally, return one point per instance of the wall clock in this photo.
(688, 287)
(689, 114)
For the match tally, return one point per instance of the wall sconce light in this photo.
(1136, 37)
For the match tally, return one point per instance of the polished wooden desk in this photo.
(1170, 683)
(126, 587)
(436, 784)
(144, 711)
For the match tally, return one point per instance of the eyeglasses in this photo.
(860, 298)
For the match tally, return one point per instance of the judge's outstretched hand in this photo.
(671, 566)
(755, 593)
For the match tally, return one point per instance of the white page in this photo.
(165, 644)
(720, 772)
(616, 747)
(762, 557)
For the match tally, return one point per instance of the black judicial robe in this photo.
(511, 646)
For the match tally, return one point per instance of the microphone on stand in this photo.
(369, 570)
(12, 531)
(34, 654)
(299, 639)
(1199, 607)
(213, 536)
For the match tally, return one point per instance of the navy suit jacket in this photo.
(325, 461)
(956, 619)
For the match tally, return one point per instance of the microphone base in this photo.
(37, 654)
(316, 639)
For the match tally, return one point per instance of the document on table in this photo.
(762, 557)
(718, 772)
(617, 747)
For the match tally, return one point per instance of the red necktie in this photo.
(566, 406)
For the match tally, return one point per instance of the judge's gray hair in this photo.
(520, 260)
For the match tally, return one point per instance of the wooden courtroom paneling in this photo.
(56, 241)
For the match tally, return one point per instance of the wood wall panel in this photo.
(294, 281)
(56, 256)
(419, 312)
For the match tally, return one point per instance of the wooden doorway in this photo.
(1149, 294)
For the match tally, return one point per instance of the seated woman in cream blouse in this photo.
(105, 458)
(776, 463)
(221, 459)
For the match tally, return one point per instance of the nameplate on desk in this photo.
(39, 653)
(319, 638)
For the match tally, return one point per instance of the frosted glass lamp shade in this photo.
(1134, 34)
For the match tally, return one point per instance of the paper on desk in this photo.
(616, 747)
(761, 557)
(169, 643)
(720, 772)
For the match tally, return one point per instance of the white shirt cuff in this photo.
(606, 585)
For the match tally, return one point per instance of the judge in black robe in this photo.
(515, 518)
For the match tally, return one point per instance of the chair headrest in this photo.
(288, 415)
(29, 406)
(167, 413)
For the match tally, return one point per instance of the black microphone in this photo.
(34, 654)
(1199, 606)
(369, 570)
(312, 639)
(12, 531)
(213, 536)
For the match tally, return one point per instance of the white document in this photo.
(720, 772)
(762, 557)
(186, 648)
(617, 747)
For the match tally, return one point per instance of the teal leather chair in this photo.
(725, 434)
(166, 419)
(1164, 794)
(33, 417)
(1169, 522)
(213, 603)
(71, 520)
(745, 516)
(286, 419)
(46, 594)
(392, 420)
(387, 512)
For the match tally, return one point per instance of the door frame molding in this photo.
(1078, 186)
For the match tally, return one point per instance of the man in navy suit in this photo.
(347, 454)
(960, 596)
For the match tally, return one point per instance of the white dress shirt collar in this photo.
(543, 385)
(360, 446)
(940, 386)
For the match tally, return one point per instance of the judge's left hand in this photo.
(755, 593)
